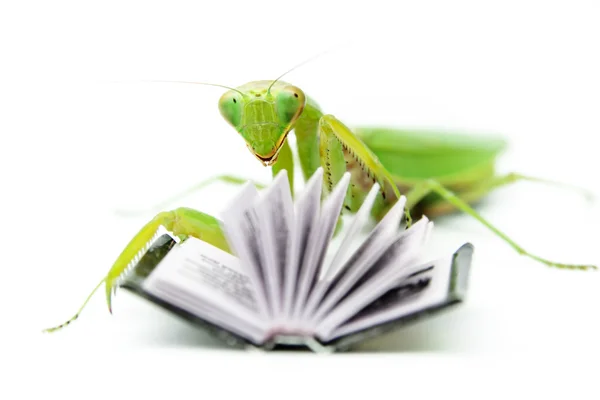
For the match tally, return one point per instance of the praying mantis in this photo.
(437, 172)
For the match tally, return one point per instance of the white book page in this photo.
(406, 249)
(386, 228)
(241, 227)
(276, 212)
(318, 242)
(191, 303)
(306, 214)
(358, 222)
(376, 243)
(391, 266)
(395, 304)
(208, 282)
(342, 254)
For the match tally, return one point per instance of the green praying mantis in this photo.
(437, 172)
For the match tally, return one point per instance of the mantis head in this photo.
(263, 113)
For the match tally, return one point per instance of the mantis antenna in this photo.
(200, 83)
(243, 95)
(299, 65)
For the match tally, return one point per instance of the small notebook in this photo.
(297, 281)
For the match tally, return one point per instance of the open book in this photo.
(292, 282)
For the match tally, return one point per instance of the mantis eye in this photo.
(289, 103)
(230, 106)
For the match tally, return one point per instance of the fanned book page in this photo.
(286, 284)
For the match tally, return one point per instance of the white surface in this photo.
(76, 146)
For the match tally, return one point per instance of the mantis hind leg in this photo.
(461, 203)
(181, 222)
(441, 207)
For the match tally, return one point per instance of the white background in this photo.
(81, 138)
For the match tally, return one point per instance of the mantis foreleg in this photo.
(307, 140)
(182, 222)
(431, 186)
(340, 151)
